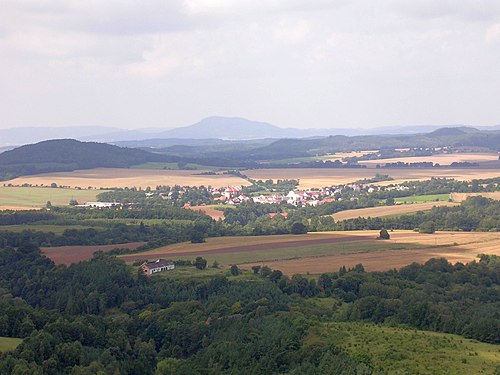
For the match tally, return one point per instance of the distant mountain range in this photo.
(67, 154)
(221, 128)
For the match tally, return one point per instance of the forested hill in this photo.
(68, 154)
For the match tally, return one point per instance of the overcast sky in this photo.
(293, 63)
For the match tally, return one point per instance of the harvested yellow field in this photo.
(441, 159)
(320, 177)
(344, 155)
(459, 197)
(388, 210)
(210, 211)
(124, 177)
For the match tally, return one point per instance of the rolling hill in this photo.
(68, 154)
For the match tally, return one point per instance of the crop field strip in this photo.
(441, 159)
(383, 211)
(127, 177)
(460, 197)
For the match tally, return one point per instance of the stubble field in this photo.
(125, 177)
(383, 211)
(441, 159)
(459, 197)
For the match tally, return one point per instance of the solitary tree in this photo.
(384, 235)
(235, 271)
(200, 263)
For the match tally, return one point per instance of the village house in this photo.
(159, 265)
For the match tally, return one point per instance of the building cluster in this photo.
(233, 195)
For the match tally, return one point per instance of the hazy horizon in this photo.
(293, 64)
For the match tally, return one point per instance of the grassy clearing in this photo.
(36, 197)
(407, 351)
(9, 343)
(423, 198)
(191, 272)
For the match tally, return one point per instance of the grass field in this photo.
(423, 198)
(383, 211)
(441, 159)
(327, 251)
(125, 177)
(37, 197)
(407, 351)
(459, 197)
(320, 177)
(9, 343)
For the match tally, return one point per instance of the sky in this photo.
(292, 63)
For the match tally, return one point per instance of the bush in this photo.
(299, 228)
(427, 227)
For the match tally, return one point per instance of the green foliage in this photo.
(298, 228)
(384, 235)
(200, 263)
(235, 271)
(427, 227)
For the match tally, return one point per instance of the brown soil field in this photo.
(343, 155)
(124, 177)
(388, 210)
(454, 246)
(403, 248)
(74, 254)
(210, 211)
(320, 177)
(459, 197)
(441, 159)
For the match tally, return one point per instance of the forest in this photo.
(100, 317)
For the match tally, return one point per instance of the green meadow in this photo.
(36, 197)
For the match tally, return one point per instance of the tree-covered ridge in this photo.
(68, 155)
(98, 316)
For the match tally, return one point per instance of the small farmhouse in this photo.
(157, 266)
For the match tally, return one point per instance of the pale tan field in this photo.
(320, 177)
(343, 155)
(388, 210)
(124, 177)
(459, 197)
(441, 159)
(454, 246)
(210, 211)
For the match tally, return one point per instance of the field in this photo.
(37, 197)
(327, 251)
(210, 211)
(74, 254)
(9, 343)
(423, 198)
(125, 177)
(441, 159)
(320, 177)
(407, 351)
(382, 211)
(459, 197)
(57, 229)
